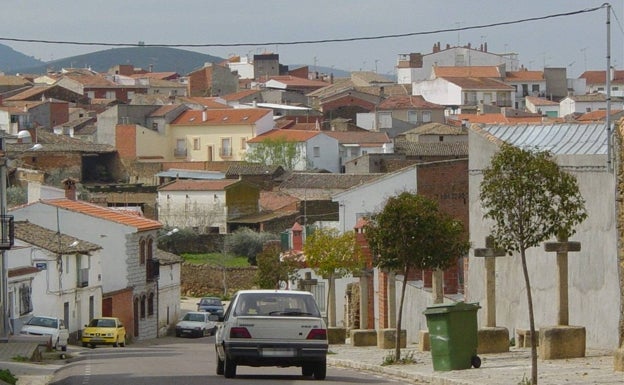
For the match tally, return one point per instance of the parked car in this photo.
(212, 305)
(104, 331)
(196, 324)
(48, 326)
(272, 328)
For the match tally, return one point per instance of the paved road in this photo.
(185, 361)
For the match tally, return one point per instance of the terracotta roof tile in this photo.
(289, 135)
(479, 83)
(541, 101)
(598, 77)
(361, 137)
(49, 240)
(467, 72)
(208, 102)
(524, 75)
(140, 223)
(403, 102)
(220, 117)
(239, 95)
(198, 185)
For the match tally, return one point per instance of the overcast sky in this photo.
(577, 42)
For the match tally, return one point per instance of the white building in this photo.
(415, 67)
(595, 300)
(581, 104)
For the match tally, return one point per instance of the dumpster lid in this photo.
(449, 307)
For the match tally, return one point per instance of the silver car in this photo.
(48, 326)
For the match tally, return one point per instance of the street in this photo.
(189, 361)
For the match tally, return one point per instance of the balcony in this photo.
(153, 270)
(7, 232)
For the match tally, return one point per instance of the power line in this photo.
(303, 42)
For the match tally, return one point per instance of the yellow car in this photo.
(104, 331)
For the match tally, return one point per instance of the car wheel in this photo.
(229, 368)
(116, 343)
(84, 344)
(123, 343)
(220, 365)
(64, 348)
(320, 370)
(92, 346)
(307, 370)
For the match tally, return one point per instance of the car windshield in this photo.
(211, 301)
(102, 323)
(42, 321)
(277, 304)
(194, 317)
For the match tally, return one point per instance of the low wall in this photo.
(205, 280)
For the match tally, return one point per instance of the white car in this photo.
(272, 328)
(196, 324)
(48, 326)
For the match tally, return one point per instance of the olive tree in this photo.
(245, 241)
(529, 200)
(332, 255)
(410, 232)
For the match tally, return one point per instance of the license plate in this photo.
(271, 352)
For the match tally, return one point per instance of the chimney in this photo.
(70, 188)
(297, 237)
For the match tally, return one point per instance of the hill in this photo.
(159, 59)
(11, 60)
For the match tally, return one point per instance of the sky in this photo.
(577, 41)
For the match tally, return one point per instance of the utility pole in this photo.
(6, 241)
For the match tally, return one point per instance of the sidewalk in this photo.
(496, 369)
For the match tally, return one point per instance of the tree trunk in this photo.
(397, 348)
(331, 301)
(531, 318)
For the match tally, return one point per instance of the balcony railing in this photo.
(7, 232)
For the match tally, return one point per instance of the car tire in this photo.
(320, 370)
(220, 365)
(307, 370)
(92, 346)
(123, 343)
(229, 368)
(116, 343)
(84, 344)
(64, 348)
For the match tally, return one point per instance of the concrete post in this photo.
(364, 301)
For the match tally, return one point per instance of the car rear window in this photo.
(276, 304)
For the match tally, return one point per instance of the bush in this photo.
(247, 242)
(7, 376)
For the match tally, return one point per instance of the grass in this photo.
(390, 359)
(216, 259)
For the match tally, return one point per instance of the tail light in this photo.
(239, 332)
(317, 334)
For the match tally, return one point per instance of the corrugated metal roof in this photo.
(560, 139)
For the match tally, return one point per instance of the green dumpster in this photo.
(453, 335)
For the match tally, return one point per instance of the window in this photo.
(426, 116)
(535, 88)
(142, 309)
(243, 143)
(355, 151)
(226, 147)
(111, 95)
(142, 252)
(25, 302)
(412, 116)
(196, 144)
(150, 304)
(91, 94)
(316, 151)
(180, 149)
(155, 126)
(385, 119)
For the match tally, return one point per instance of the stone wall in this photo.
(205, 280)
